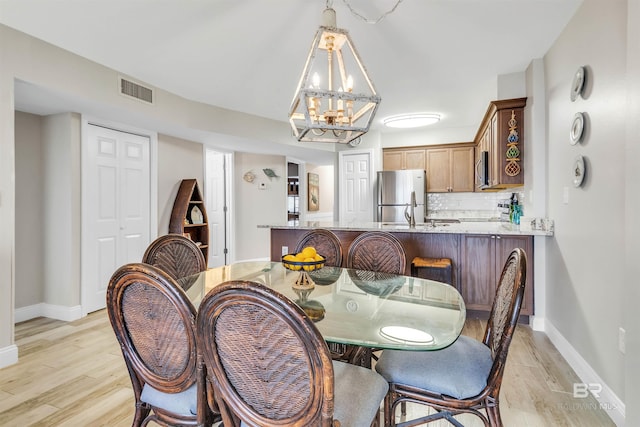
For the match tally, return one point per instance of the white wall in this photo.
(585, 290)
(255, 206)
(433, 135)
(631, 289)
(61, 213)
(326, 176)
(177, 160)
(29, 203)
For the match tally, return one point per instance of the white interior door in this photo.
(217, 167)
(115, 207)
(356, 187)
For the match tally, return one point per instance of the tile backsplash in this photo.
(471, 205)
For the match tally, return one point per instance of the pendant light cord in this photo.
(365, 19)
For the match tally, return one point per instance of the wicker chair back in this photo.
(377, 251)
(267, 361)
(176, 255)
(326, 243)
(154, 322)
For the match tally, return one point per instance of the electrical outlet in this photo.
(285, 250)
(622, 341)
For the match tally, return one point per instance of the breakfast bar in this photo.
(477, 249)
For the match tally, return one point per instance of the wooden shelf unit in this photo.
(188, 197)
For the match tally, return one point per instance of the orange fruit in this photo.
(309, 267)
(309, 252)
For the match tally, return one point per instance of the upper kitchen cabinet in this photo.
(403, 158)
(450, 168)
(500, 145)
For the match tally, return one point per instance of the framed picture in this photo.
(313, 195)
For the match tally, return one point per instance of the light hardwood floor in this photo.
(72, 374)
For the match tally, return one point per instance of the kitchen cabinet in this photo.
(477, 259)
(450, 169)
(501, 134)
(482, 259)
(189, 216)
(403, 158)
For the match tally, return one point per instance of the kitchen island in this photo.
(477, 249)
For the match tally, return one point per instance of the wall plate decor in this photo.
(577, 85)
(249, 176)
(578, 171)
(577, 129)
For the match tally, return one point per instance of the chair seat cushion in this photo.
(460, 370)
(184, 403)
(359, 392)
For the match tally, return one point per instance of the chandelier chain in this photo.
(365, 19)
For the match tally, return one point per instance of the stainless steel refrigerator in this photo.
(394, 194)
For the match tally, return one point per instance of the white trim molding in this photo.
(609, 402)
(58, 312)
(8, 355)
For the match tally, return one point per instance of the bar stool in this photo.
(439, 269)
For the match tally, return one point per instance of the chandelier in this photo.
(335, 100)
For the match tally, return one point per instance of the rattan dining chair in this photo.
(176, 255)
(326, 243)
(154, 323)
(466, 376)
(377, 251)
(270, 366)
(381, 253)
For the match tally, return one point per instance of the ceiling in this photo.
(439, 56)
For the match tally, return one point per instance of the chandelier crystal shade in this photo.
(335, 100)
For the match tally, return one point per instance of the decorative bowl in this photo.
(303, 284)
(303, 265)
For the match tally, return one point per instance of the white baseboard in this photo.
(58, 312)
(608, 400)
(8, 355)
(29, 312)
(537, 323)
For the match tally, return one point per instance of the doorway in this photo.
(356, 186)
(217, 188)
(293, 192)
(116, 206)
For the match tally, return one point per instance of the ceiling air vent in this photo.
(136, 91)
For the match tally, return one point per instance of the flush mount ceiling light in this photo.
(407, 121)
(335, 100)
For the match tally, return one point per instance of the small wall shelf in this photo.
(189, 215)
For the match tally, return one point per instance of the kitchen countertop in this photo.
(473, 226)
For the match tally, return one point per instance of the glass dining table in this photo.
(355, 307)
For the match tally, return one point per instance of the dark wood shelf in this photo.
(188, 197)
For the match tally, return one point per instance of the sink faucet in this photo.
(411, 215)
